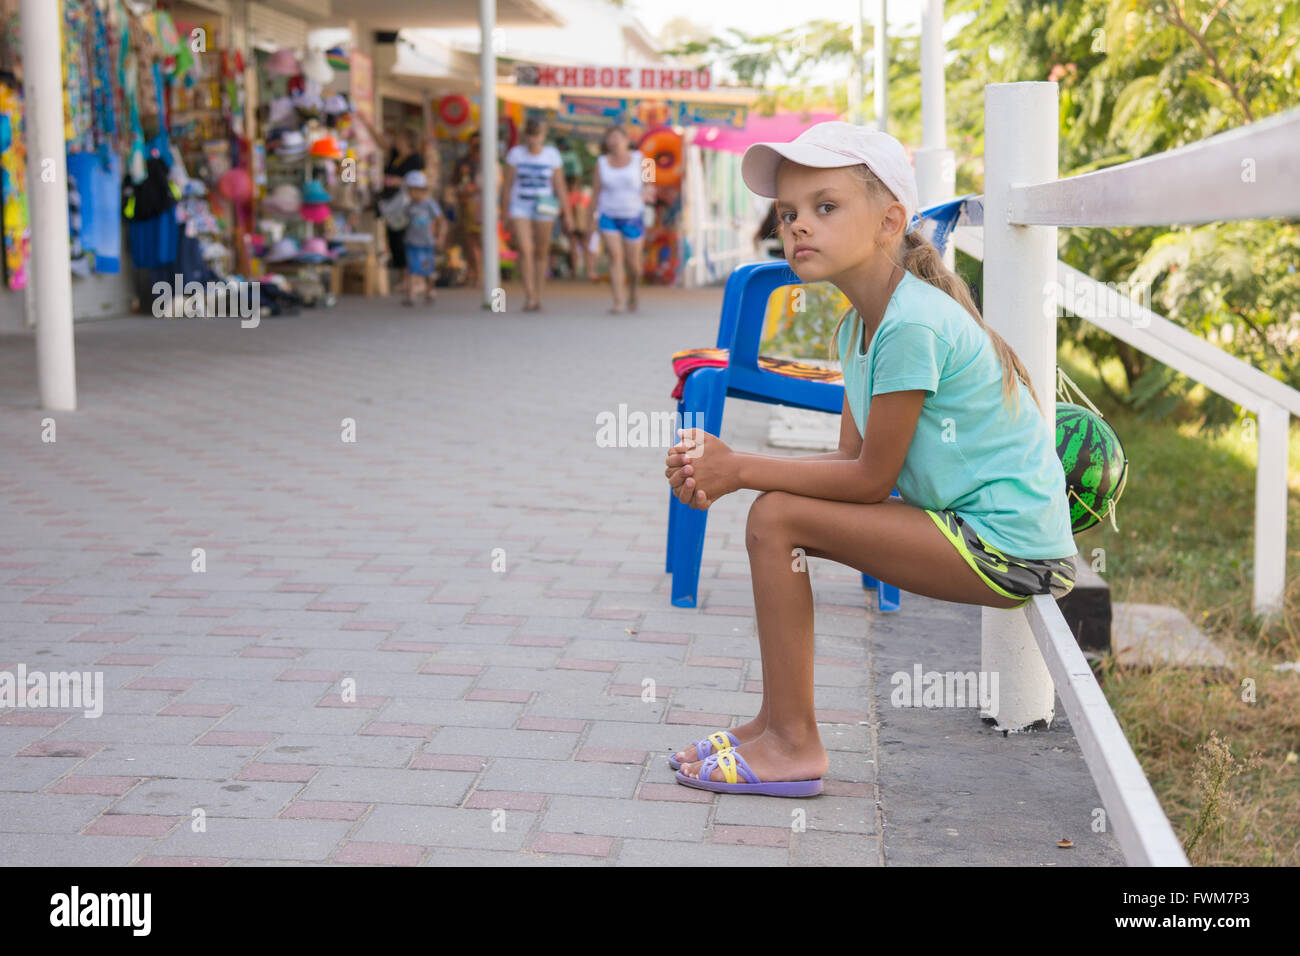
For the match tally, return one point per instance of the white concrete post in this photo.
(881, 91)
(1270, 509)
(487, 15)
(50, 278)
(1020, 148)
(936, 167)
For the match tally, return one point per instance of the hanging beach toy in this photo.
(1096, 467)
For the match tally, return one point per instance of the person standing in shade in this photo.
(619, 196)
(534, 182)
(403, 151)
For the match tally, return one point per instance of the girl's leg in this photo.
(542, 229)
(614, 246)
(633, 270)
(888, 540)
(523, 233)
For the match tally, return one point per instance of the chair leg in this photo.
(704, 395)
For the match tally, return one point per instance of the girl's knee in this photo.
(765, 516)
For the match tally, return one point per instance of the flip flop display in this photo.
(733, 767)
(717, 741)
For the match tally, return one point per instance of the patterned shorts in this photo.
(420, 260)
(1010, 577)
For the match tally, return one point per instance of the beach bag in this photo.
(395, 210)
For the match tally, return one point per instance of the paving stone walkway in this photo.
(428, 646)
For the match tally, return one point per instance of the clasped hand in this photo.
(701, 469)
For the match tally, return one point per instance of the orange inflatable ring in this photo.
(453, 109)
(665, 147)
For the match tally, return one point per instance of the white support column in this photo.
(50, 280)
(936, 167)
(882, 66)
(487, 15)
(1020, 148)
(1270, 509)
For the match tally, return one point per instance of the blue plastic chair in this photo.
(744, 307)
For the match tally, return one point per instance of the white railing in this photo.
(1252, 172)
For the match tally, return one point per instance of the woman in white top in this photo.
(619, 195)
(535, 184)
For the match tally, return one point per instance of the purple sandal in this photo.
(716, 742)
(731, 762)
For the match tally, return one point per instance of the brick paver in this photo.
(449, 641)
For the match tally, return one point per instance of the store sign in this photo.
(613, 77)
(595, 110)
(710, 114)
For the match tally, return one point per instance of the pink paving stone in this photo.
(235, 738)
(363, 702)
(370, 626)
(578, 664)
(696, 717)
(277, 772)
(753, 687)
(101, 786)
(751, 836)
(504, 800)
(448, 762)
(130, 660)
(54, 599)
(529, 640)
(209, 612)
(131, 824)
(323, 810)
(195, 710)
(661, 637)
(572, 843)
(103, 637)
(298, 674)
(843, 788)
(613, 614)
(60, 748)
(180, 861)
(451, 670)
(560, 724)
(76, 619)
(335, 607)
(505, 620)
(503, 696)
(274, 652)
(160, 683)
(636, 690)
(379, 854)
(382, 729)
(673, 793)
(610, 755)
(34, 718)
(841, 716)
(714, 662)
(228, 631)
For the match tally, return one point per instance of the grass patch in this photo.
(1218, 747)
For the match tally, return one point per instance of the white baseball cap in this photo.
(831, 145)
(416, 179)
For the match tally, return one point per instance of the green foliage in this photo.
(808, 334)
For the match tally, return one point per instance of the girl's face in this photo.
(829, 226)
(614, 141)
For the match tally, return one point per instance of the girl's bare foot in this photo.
(744, 733)
(773, 759)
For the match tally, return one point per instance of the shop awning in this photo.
(445, 14)
(778, 128)
(548, 97)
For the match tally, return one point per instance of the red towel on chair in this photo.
(688, 360)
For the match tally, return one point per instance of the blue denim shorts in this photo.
(630, 228)
(419, 260)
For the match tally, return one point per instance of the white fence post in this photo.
(1270, 509)
(1020, 147)
(936, 167)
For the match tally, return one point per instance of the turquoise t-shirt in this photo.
(998, 471)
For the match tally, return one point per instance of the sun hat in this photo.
(314, 211)
(288, 144)
(415, 179)
(283, 250)
(283, 63)
(315, 66)
(832, 145)
(336, 105)
(327, 147)
(284, 199)
(315, 191)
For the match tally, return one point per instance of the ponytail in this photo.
(922, 259)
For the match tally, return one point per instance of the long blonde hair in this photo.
(923, 260)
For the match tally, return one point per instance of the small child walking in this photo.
(426, 228)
